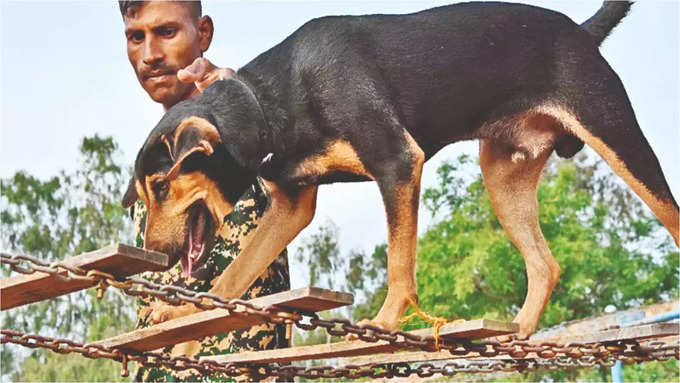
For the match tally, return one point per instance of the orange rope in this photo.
(436, 322)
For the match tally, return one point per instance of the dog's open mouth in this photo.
(198, 238)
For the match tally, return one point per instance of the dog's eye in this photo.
(160, 189)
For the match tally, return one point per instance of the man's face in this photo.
(162, 38)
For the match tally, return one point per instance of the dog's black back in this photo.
(443, 71)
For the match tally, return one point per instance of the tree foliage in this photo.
(65, 215)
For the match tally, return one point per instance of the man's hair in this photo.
(130, 7)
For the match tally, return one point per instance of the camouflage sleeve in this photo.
(138, 213)
(228, 244)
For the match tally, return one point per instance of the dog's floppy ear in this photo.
(131, 195)
(194, 134)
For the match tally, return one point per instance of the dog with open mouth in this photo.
(198, 231)
(371, 98)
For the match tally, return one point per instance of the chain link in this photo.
(548, 354)
(649, 350)
(147, 358)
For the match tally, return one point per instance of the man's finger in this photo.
(195, 71)
(203, 73)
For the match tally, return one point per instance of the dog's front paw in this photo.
(376, 322)
(370, 323)
(161, 312)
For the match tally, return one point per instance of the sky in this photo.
(65, 75)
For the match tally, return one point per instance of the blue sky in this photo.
(65, 74)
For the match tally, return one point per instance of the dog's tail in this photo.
(606, 18)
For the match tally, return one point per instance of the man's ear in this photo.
(205, 31)
(131, 195)
(194, 134)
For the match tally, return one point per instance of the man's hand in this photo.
(203, 73)
(160, 312)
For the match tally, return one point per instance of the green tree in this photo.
(320, 251)
(68, 214)
(355, 272)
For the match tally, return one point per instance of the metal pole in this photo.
(617, 373)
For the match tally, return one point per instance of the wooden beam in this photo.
(603, 322)
(211, 322)
(119, 260)
(655, 330)
(474, 329)
(397, 357)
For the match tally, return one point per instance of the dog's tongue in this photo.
(195, 245)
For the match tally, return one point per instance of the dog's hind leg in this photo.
(512, 188)
(593, 106)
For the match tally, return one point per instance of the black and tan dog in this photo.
(372, 98)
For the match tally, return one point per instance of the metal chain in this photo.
(425, 370)
(651, 350)
(139, 287)
(517, 349)
(93, 350)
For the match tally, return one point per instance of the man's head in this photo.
(162, 38)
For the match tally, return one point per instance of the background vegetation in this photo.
(68, 214)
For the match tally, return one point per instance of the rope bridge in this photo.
(465, 347)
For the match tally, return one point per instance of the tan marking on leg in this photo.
(402, 242)
(338, 156)
(282, 221)
(664, 210)
(512, 189)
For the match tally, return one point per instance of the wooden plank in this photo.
(211, 322)
(474, 329)
(397, 357)
(657, 330)
(117, 259)
(603, 322)
(653, 330)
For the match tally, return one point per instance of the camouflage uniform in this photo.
(227, 246)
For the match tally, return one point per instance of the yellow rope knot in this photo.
(436, 322)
